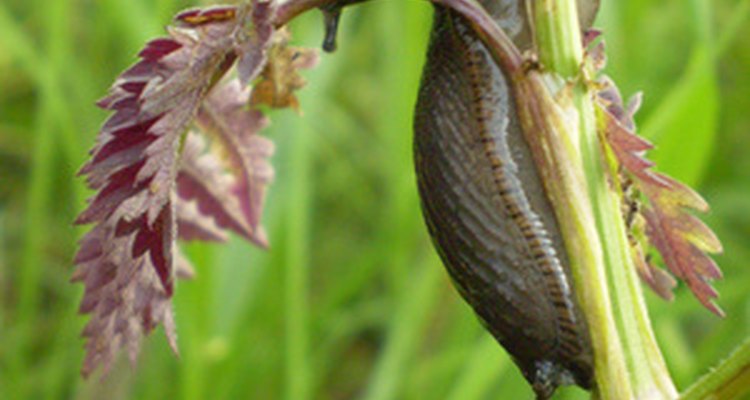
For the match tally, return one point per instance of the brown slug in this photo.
(485, 205)
(483, 200)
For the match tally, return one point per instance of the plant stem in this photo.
(618, 292)
(558, 36)
(730, 380)
(292, 8)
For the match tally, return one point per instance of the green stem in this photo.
(618, 299)
(558, 36)
(730, 380)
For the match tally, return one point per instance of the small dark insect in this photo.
(631, 206)
(485, 205)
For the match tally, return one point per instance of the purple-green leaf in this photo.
(129, 259)
(225, 117)
(682, 239)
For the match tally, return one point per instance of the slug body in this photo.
(485, 205)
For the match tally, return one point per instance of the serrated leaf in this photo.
(216, 199)
(129, 259)
(226, 117)
(252, 51)
(123, 295)
(192, 224)
(659, 280)
(681, 238)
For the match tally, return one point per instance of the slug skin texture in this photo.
(485, 205)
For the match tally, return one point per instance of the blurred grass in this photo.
(351, 301)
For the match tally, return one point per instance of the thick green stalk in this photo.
(628, 363)
(552, 132)
(558, 36)
(730, 380)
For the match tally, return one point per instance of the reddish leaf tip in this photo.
(202, 16)
(680, 238)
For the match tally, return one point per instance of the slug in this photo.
(485, 206)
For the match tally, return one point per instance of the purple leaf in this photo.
(127, 260)
(682, 240)
(192, 224)
(154, 183)
(252, 51)
(226, 117)
(123, 294)
(210, 194)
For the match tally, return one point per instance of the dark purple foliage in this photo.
(155, 182)
(682, 239)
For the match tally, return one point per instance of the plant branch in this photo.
(730, 380)
(290, 9)
(506, 54)
(501, 46)
(645, 374)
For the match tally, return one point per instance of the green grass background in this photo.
(351, 300)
